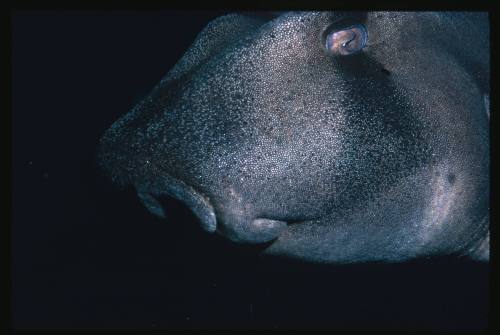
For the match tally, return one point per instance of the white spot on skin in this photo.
(486, 99)
(443, 198)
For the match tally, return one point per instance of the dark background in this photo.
(86, 255)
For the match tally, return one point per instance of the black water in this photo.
(86, 255)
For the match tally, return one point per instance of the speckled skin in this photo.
(377, 156)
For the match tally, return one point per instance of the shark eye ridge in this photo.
(346, 41)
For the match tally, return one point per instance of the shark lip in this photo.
(177, 189)
(258, 230)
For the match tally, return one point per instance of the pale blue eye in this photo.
(346, 41)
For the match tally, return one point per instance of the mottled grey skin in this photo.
(377, 156)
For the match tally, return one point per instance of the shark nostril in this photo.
(236, 222)
(152, 204)
(177, 189)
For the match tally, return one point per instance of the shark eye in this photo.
(346, 41)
